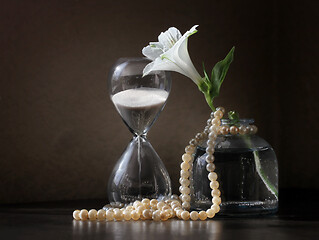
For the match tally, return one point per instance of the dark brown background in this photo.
(59, 133)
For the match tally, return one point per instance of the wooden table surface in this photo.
(297, 219)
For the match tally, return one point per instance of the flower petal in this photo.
(161, 65)
(156, 45)
(152, 52)
(191, 31)
(169, 38)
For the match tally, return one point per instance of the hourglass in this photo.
(139, 173)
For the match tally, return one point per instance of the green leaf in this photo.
(210, 87)
(219, 73)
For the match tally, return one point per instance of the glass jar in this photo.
(247, 171)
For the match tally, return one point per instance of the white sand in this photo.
(140, 97)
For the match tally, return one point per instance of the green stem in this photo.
(209, 100)
(205, 87)
(259, 170)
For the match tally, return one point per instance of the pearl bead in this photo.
(165, 208)
(194, 215)
(174, 197)
(176, 202)
(135, 215)
(190, 149)
(179, 212)
(193, 142)
(92, 214)
(212, 135)
(130, 208)
(76, 214)
(210, 167)
(118, 215)
(136, 204)
(185, 166)
(147, 213)
(202, 215)
(218, 114)
(173, 214)
(221, 109)
(156, 215)
(224, 130)
(109, 215)
(186, 198)
(210, 158)
(160, 205)
(140, 209)
(214, 184)
(175, 206)
(212, 176)
(84, 214)
(163, 216)
(211, 143)
(210, 213)
(177, 209)
(199, 136)
(121, 205)
(186, 205)
(215, 193)
(184, 182)
(185, 215)
(184, 190)
(209, 122)
(214, 128)
(210, 150)
(216, 121)
(216, 200)
(153, 203)
(101, 215)
(233, 130)
(168, 213)
(205, 132)
(215, 208)
(184, 174)
(146, 201)
(187, 157)
(127, 215)
(243, 130)
(253, 129)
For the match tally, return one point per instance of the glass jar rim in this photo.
(243, 121)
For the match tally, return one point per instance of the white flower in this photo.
(170, 54)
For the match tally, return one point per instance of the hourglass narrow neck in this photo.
(143, 135)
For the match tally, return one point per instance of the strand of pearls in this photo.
(241, 130)
(211, 131)
(139, 210)
(176, 206)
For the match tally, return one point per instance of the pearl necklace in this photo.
(176, 206)
(211, 131)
